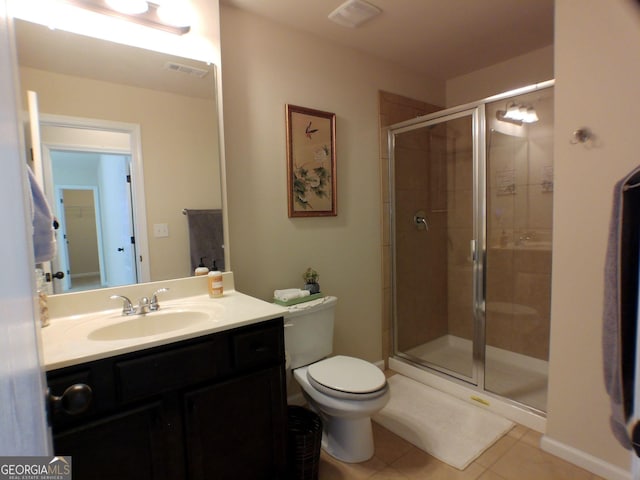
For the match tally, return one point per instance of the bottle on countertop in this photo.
(215, 284)
(201, 269)
(41, 289)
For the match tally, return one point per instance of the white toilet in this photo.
(344, 391)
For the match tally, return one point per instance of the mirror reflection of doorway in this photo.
(79, 247)
(93, 206)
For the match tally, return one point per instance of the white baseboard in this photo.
(584, 460)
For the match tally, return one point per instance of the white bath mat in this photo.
(446, 427)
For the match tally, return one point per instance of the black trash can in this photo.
(305, 437)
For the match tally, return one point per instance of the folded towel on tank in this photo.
(289, 294)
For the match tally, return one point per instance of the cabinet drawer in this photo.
(256, 348)
(169, 370)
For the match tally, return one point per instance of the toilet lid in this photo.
(347, 374)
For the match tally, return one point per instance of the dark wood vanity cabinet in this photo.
(207, 408)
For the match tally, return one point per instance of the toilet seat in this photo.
(347, 377)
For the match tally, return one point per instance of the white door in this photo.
(38, 167)
(22, 413)
(117, 220)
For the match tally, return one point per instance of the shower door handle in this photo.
(420, 219)
(472, 246)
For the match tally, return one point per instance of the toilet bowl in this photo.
(344, 391)
(345, 407)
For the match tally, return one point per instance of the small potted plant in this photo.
(310, 277)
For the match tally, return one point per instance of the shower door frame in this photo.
(476, 111)
(477, 381)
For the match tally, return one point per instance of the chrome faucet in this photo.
(154, 305)
(127, 306)
(144, 304)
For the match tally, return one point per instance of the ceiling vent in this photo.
(354, 13)
(178, 67)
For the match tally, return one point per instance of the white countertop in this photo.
(66, 340)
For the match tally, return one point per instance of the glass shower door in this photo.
(435, 166)
(518, 252)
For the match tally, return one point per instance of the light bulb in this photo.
(522, 113)
(513, 112)
(129, 7)
(177, 13)
(531, 116)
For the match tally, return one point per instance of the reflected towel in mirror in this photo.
(206, 237)
(44, 240)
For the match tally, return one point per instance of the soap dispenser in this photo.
(215, 284)
(201, 269)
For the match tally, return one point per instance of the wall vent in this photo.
(178, 67)
(354, 13)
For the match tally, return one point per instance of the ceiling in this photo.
(67, 53)
(439, 38)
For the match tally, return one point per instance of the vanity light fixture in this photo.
(173, 16)
(517, 114)
(128, 7)
(177, 13)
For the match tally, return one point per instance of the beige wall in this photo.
(80, 219)
(179, 151)
(266, 66)
(532, 67)
(597, 69)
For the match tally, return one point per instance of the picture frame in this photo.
(311, 162)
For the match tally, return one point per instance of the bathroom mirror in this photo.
(171, 101)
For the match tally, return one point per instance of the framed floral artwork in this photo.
(311, 162)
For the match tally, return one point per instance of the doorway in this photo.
(104, 157)
(94, 211)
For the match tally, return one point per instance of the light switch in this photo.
(160, 230)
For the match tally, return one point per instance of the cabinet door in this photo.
(236, 429)
(131, 445)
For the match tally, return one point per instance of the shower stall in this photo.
(471, 192)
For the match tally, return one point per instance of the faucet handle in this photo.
(154, 305)
(127, 306)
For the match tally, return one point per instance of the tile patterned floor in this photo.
(516, 456)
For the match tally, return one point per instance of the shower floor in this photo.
(508, 374)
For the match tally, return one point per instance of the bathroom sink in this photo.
(153, 323)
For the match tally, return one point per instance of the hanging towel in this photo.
(621, 304)
(205, 237)
(44, 239)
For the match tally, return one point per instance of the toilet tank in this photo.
(308, 331)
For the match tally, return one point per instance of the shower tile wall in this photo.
(392, 109)
(459, 159)
(421, 270)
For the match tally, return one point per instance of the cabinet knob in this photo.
(75, 400)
